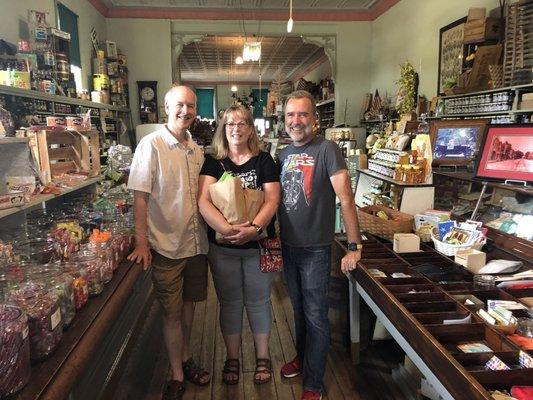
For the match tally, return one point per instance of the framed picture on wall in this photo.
(507, 153)
(450, 53)
(456, 142)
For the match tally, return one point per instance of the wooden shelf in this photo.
(373, 174)
(469, 176)
(9, 140)
(502, 89)
(8, 90)
(40, 198)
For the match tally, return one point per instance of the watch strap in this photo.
(354, 246)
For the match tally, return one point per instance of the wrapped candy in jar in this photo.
(100, 243)
(44, 317)
(67, 236)
(91, 220)
(38, 250)
(54, 279)
(92, 265)
(80, 284)
(6, 253)
(14, 350)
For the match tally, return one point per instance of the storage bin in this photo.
(369, 222)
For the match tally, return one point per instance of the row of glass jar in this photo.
(380, 169)
(394, 157)
(501, 97)
(480, 108)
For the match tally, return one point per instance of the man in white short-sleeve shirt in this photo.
(169, 231)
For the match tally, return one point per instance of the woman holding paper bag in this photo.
(234, 258)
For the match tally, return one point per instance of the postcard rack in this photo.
(427, 308)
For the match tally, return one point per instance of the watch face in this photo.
(147, 93)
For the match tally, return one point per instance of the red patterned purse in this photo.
(270, 258)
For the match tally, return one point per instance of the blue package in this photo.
(444, 228)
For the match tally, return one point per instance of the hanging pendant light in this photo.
(290, 22)
(239, 60)
(234, 88)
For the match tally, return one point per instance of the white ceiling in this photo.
(213, 59)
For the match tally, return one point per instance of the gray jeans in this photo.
(240, 283)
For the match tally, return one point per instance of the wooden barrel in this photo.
(62, 67)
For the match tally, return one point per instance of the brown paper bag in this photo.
(254, 200)
(236, 204)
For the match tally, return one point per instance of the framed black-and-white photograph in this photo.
(450, 53)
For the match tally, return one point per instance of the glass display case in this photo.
(504, 208)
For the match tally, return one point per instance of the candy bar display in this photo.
(44, 317)
(14, 350)
(38, 250)
(80, 285)
(91, 264)
(55, 280)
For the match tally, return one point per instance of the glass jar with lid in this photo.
(92, 265)
(38, 250)
(80, 282)
(44, 317)
(67, 235)
(54, 279)
(15, 354)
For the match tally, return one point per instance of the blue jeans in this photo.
(307, 272)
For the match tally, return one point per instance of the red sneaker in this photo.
(292, 368)
(308, 395)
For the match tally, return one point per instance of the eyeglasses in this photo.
(232, 125)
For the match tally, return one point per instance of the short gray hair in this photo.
(301, 94)
(174, 89)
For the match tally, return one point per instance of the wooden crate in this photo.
(480, 30)
(67, 151)
(518, 57)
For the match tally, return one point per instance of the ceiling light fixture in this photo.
(239, 60)
(290, 22)
(234, 88)
(251, 51)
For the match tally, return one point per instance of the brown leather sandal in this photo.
(194, 373)
(230, 372)
(263, 371)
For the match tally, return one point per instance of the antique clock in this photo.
(147, 91)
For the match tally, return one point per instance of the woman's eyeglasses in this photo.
(232, 125)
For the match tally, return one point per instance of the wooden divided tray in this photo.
(430, 314)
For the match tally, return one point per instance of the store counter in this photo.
(91, 346)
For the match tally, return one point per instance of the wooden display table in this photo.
(413, 310)
(86, 337)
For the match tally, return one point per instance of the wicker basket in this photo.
(403, 223)
(452, 249)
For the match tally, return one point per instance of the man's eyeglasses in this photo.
(232, 125)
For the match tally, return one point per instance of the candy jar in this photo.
(54, 279)
(67, 235)
(80, 284)
(44, 317)
(101, 243)
(14, 350)
(92, 265)
(38, 250)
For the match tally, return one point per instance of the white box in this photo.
(406, 243)
(472, 260)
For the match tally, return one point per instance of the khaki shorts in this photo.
(176, 281)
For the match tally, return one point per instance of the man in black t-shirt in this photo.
(313, 173)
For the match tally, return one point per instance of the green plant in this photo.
(405, 102)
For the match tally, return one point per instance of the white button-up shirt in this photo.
(169, 172)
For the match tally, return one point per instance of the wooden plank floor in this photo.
(147, 367)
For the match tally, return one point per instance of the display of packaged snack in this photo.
(80, 284)
(54, 279)
(92, 265)
(44, 317)
(15, 350)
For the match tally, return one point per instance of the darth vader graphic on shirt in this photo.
(297, 180)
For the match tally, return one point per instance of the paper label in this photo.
(55, 319)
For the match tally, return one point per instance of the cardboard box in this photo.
(12, 200)
(527, 96)
(476, 13)
(406, 243)
(525, 105)
(472, 259)
(480, 30)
